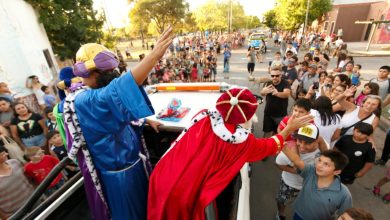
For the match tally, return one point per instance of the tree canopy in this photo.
(159, 12)
(68, 24)
(270, 19)
(291, 13)
(213, 15)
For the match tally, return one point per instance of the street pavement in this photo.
(266, 176)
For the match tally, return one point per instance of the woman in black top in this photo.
(28, 129)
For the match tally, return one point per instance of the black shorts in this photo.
(271, 123)
(276, 41)
(251, 67)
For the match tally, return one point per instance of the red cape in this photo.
(195, 171)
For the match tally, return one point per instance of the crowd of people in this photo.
(346, 112)
(334, 149)
(194, 58)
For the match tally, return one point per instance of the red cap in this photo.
(237, 105)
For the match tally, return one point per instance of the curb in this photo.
(367, 54)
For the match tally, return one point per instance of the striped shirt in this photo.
(14, 188)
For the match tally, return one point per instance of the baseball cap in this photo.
(308, 133)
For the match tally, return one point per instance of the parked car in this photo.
(69, 202)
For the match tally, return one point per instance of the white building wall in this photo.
(22, 41)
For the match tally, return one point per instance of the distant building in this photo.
(345, 12)
(24, 46)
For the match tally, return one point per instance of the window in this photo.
(332, 28)
(326, 26)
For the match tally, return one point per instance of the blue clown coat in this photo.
(105, 115)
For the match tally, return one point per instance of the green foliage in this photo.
(290, 14)
(270, 19)
(213, 15)
(161, 12)
(68, 24)
(252, 22)
(138, 23)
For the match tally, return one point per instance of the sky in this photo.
(117, 10)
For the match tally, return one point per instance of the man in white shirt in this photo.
(308, 143)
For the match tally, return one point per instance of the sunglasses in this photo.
(275, 76)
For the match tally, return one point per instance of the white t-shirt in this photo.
(339, 42)
(351, 118)
(295, 180)
(327, 131)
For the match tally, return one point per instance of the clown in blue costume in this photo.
(98, 119)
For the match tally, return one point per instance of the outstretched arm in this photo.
(140, 71)
(292, 154)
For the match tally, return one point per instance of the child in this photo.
(290, 182)
(206, 73)
(50, 100)
(40, 166)
(301, 107)
(359, 151)
(58, 150)
(355, 76)
(377, 188)
(51, 122)
(276, 63)
(370, 88)
(322, 193)
(194, 73)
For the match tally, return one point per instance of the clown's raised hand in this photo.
(140, 71)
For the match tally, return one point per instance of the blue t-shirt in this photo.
(321, 203)
(50, 100)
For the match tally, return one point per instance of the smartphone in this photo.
(316, 85)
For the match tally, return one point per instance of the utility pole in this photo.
(307, 17)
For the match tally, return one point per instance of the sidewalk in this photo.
(359, 49)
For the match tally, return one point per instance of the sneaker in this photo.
(380, 162)
(376, 191)
(386, 198)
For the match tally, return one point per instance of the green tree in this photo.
(291, 13)
(138, 22)
(162, 12)
(270, 19)
(213, 16)
(252, 22)
(69, 24)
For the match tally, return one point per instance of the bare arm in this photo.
(386, 101)
(140, 71)
(3, 215)
(336, 134)
(284, 95)
(292, 154)
(287, 168)
(4, 131)
(348, 106)
(15, 136)
(43, 126)
(322, 145)
(364, 170)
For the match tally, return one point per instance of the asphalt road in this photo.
(265, 176)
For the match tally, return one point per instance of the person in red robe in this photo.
(208, 155)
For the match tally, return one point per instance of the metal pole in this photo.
(306, 18)
(371, 35)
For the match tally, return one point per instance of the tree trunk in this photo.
(142, 37)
